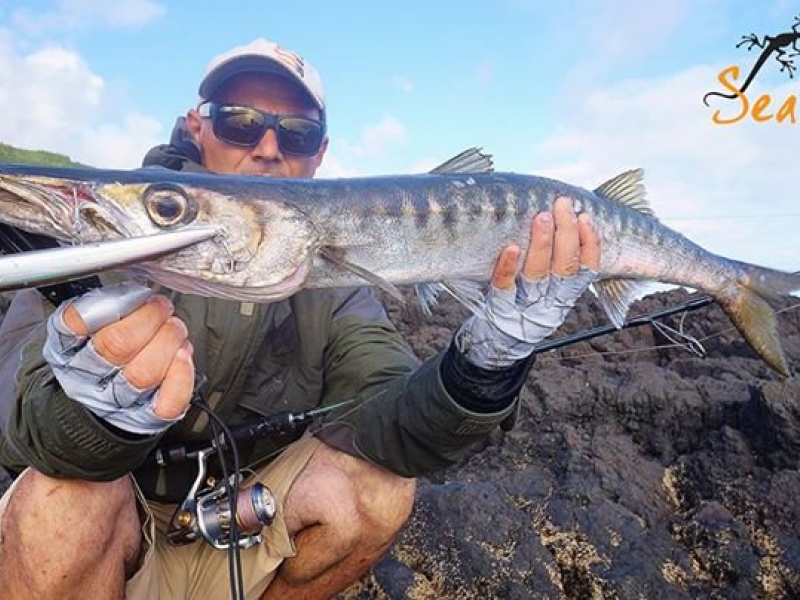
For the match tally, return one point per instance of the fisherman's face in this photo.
(268, 93)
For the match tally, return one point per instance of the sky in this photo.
(578, 91)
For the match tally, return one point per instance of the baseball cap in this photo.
(263, 56)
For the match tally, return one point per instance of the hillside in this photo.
(12, 154)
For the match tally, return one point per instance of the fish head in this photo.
(262, 252)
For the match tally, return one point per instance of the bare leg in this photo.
(344, 514)
(66, 538)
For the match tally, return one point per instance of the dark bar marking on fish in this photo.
(421, 219)
(450, 213)
(474, 201)
(502, 201)
(524, 203)
(394, 202)
(423, 208)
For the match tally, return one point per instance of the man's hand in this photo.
(525, 306)
(119, 351)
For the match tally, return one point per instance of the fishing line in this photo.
(232, 489)
(644, 319)
(692, 344)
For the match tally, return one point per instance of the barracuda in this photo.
(438, 230)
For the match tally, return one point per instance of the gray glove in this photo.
(90, 379)
(512, 322)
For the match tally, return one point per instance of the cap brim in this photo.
(251, 64)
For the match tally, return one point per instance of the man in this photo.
(76, 525)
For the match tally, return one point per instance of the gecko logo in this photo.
(782, 49)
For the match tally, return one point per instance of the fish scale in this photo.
(443, 230)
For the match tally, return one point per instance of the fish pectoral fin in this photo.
(627, 188)
(335, 255)
(617, 295)
(471, 160)
(428, 296)
(466, 292)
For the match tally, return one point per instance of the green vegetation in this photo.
(11, 154)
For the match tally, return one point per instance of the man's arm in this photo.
(58, 434)
(414, 421)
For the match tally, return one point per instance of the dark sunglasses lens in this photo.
(238, 125)
(297, 135)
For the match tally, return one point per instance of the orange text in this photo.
(759, 110)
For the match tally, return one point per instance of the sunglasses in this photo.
(245, 126)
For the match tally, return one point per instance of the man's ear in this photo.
(192, 124)
(185, 139)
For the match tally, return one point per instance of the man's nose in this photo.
(268, 148)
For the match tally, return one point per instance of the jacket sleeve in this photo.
(41, 426)
(413, 418)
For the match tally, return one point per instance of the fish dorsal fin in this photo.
(336, 256)
(627, 188)
(617, 295)
(471, 160)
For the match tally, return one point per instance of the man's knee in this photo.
(40, 507)
(383, 501)
(362, 502)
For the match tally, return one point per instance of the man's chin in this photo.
(261, 174)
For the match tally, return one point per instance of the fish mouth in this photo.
(59, 265)
(189, 284)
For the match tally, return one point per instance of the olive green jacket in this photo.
(315, 348)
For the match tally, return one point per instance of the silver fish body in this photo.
(276, 237)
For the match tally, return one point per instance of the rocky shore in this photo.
(636, 469)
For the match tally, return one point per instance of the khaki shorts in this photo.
(198, 571)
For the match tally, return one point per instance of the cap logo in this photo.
(291, 60)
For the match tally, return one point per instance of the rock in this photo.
(636, 469)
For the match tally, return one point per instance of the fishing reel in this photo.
(207, 512)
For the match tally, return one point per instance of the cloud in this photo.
(51, 100)
(376, 139)
(403, 83)
(729, 188)
(332, 167)
(120, 145)
(85, 14)
(375, 150)
(388, 132)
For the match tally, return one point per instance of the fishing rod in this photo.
(648, 319)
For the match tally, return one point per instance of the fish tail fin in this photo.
(745, 302)
(769, 283)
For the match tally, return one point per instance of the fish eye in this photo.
(168, 205)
